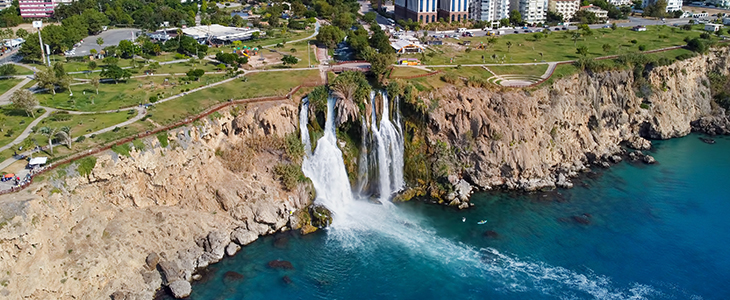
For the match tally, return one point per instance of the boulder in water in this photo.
(491, 234)
(321, 216)
(582, 219)
(281, 264)
(286, 279)
(648, 159)
(638, 143)
(180, 288)
(706, 140)
(232, 248)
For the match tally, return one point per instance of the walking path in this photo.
(5, 97)
(27, 131)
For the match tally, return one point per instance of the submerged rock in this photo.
(281, 264)
(491, 234)
(232, 276)
(286, 279)
(648, 159)
(706, 140)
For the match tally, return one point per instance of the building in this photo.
(406, 45)
(5, 4)
(533, 11)
(720, 3)
(600, 13)
(726, 21)
(489, 10)
(453, 10)
(672, 5)
(423, 11)
(216, 33)
(618, 3)
(36, 8)
(567, 8)
(712, 27)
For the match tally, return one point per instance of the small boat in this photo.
(463, 219)
(482, 222)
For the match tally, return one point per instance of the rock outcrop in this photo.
(534, 139)
(146, 220)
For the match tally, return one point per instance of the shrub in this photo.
(153, 99)
(162, 137)
(450, 78)
(86, 165)
(122, 149)
(80, 139)
(634, 41)
(642, 47)
(289, 174)
(644, 106)
(138, 144)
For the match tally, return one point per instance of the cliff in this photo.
(151, 218)
(532, 139)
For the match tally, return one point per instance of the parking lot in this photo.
(111, 37)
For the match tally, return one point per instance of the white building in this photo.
(218, 33)
(567, 8)
(453, 10)
(672, 5)
(5, 4)
(618, 3)
(532, 11)
(712, 27)
(726, 21)
(600, 13)
(489, 10)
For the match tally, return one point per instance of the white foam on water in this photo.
(359, 226)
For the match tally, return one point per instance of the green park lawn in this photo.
(399, 71)
(559, 46)
(123, 94)
(82, 124)
(7, 83)
(256, 85)
(23, 70)
(531, 70)
(13, 122)
(466, 72)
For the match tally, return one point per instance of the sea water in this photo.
(633, 231)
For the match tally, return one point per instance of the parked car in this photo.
(527, 30)
(606, 26)
(557, 29)
(516, 31)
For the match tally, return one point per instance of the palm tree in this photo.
(349, 90)
(509, 45)
(95, 83)
(575, 37)
(53, 132)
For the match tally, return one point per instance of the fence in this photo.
(129, 139)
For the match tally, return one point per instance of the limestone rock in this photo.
(243, 236)
(152, 260)
(648, 159)
(180, 288)
(232, 248)
(638, 143)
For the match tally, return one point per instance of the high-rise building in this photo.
(672, 5)
(423, 11)
(453, 10)
(489, 10)
(567, 8)
(5, 4)
(36, 8)
(532, 11)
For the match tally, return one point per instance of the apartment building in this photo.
(489, 10)
(533, 11)
(567, 8)
(453, 10)
(423, 11)
(5, 4)
(36, 8)
(619, 3)
(672, 5)
(600, 13)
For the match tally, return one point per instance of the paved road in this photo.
(111, 37)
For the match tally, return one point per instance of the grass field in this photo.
(558, 46)
(407, 71)
(256, 85)
(124, 94)
(7, 83)
(13, 122)
(84, 124)
(532, 70)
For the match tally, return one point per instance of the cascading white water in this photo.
(366, 227)
(304, 132)
(363, 163)
(393, 139)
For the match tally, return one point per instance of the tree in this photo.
(582, 51)
(21, 33)
(657, 9)
(351, 89)
(95, 20)
(55, 132)
(25, 100)
(614, 26)
(95, 83)
(575, 36)
(515, 17)
(585, 17)
(330, 35)
(379, 62)
(128, 48)
(606, 48)
(509, 45)
(31, 49)
(154, 66)
(116, 73)
(195, 74)
(369, 17)
(289, 60)
(47, 79)
(7, 70)
(554, 17)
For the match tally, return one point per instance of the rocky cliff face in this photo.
(148, 219)
(522, 139)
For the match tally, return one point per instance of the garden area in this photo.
(7, 83)
(13, 122)
(556, 45)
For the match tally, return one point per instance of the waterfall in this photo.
(362, 162)
(303, 115)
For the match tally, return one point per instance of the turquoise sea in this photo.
(633, 231)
